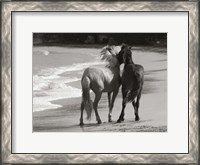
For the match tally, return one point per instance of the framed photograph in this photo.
(96, 82)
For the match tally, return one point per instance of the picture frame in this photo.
(9, 7)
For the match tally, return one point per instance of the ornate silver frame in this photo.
(7, 7)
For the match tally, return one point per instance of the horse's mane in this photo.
(108, 54)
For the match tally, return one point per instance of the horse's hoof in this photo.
(81, 124)
(137, 118)
(99, 122)
(119, 121)
(109, 120)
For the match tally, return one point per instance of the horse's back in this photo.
(139, 71)
(102, 79)
(136, 68)
(133, 70)
(97, 74)
(132, 77)
(94, 74)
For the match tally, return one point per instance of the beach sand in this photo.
(152, 110)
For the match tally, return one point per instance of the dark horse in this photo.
(132, 81)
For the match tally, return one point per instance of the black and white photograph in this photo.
(99, 82)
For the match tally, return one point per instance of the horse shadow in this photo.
(114, 122)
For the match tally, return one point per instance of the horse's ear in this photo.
(123, 46)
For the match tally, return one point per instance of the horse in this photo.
(99, 80)
(132, 81)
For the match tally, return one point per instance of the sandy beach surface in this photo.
(153, 104)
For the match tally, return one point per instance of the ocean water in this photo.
(54, 69)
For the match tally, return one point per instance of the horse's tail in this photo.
(137, 86)
(88, 105)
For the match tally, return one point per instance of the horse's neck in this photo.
(128, 61)
(114, 65)
(115, 69)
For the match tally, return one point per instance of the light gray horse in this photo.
(99, 80)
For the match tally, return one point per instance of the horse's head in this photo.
(108, 54)
(110, 50)
(125, 55)
(106, 50)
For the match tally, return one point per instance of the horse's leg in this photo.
(137, 118)
(81, 118)
(124, 95)
(112, 104)
(121, 117)
(136, 110)
(96, 101)
(109, 103)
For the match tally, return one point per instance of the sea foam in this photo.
(49, 84)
